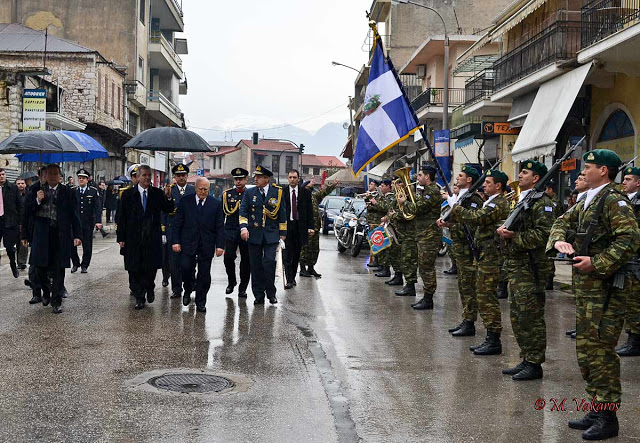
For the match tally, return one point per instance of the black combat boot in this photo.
(374, 263)
(503, 290)
(585, 422)
(397, 280)
(605, 426)
(631, 348)
(517, 368)
(491, 346)
(453, 270)
(303, 271)
(549, 284)
(425, 303)
(467, 329)
(408, 290)
(455, 328)
(573, 335)
(532, 371)
(385, 272)
(570, 332)
(313, 272)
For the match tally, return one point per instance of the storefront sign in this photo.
(443, 154)
(498, 128)
(34, 110)
(569, 165)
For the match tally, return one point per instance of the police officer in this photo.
(231, 199)
(606, 237)
(90, 209)
(179, 190)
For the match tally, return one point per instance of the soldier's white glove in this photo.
(282, 246)
(164, 239)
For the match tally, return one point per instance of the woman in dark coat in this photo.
(110, 202)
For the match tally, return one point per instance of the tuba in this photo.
(514, 194)
(405, 179)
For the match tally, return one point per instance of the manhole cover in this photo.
(188, 383)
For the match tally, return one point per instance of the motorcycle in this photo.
(351, 229)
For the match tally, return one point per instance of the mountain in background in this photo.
(328, 140)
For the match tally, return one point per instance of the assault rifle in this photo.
(538, 190)
(623, 167)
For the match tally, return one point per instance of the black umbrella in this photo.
(29, 175)
(39, 142)
(169, 138)
(115, 182)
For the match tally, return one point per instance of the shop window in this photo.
(617, 126)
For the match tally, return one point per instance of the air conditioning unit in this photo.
(422, 71)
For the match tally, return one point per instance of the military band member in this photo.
(373, 220)
(263, 224)
(90, 210)
(527, 267)
(231, 199)
(631, 184)
(179, 190)
(408, 257)
(393, 254)
(376, 209)
(493, 212)
(463, 255)
(606, 237)
(426, 210)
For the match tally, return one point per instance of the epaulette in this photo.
(93, 187)
(228, 190)
(276, 186)
(73, 187)
(172, 185)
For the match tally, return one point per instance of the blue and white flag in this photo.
(387, 118)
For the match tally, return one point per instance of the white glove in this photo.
(452, 199)
(282, 246)
(164, 239)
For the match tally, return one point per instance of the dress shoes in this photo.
(313, 272)
(273, 300)
(258, 301)
(467, 329)
(74, 269)
(409, 290)
(295, 283)
(242, 294)
(14, 269)
(104, 234)
(83, 271)
(424, 304)
(201, 309)
(56, 309)
(229, 289)
(288, 286)
(139, 304)
(165, 283)
(186, 299)
(35, 300)
(532, 371)
(22, 267)
(304, 273)
(150, 296)
(455, 328)
(27, 283)
(175, 295)
(65, 293)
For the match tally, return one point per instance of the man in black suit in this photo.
(198, 234)
(140, 235)
(10, 216)
(90, 209)
(53, 213)
(300, 224)
(22, 251)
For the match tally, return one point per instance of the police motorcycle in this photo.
(350, 227)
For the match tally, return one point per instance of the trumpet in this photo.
(367, 194)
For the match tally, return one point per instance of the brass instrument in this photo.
(514, 194)
(368, 194)
(402, 187)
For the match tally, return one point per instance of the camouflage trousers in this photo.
(487, 277)
(394, 255)
(427, 253)
(466, 281)
(526, 310)
(632, 319)
(597, 335)
(311, 251)
(408, 257)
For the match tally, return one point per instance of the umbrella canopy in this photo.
(169, 138)
(39, 142)
(122, 178)
(115, 182)
(29, 175)
(95, 150)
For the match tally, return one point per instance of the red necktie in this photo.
(294, 205)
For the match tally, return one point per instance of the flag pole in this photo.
(378, 40)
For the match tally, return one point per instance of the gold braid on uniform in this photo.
(273, 215)
(225, 206)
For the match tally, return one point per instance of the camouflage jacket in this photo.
(315, 202)
(558, 207)
(399, 220)
(427, 211)
(457, 230)
(615, 239)
(486, 219)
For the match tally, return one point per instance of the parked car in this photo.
(330, 207)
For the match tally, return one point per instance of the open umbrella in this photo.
(170, 139)
(123, 179)
(29, 175)
(39, 142)
(115, 182)
(95, 150)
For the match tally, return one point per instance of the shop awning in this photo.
(520, 109)
(528, 9)
(548, 113)
(380, 169)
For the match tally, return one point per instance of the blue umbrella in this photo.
(95, 150)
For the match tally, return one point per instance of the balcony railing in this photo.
(412, 84)
(178, 6)
(435, 96)
(560, 41)
(602, 18)
(479, 87)
(158, 97)
(158, 37)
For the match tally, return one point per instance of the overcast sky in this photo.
(263, 63)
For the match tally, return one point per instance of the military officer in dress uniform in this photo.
(231, 199)
(178, 190)
(90, 210)
(263, 224)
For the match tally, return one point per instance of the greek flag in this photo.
(387, 118)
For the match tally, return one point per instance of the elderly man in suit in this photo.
(53, 213)
(140, 235)
(300, 224)
(263, 224)
(198, 235)
(10, 215)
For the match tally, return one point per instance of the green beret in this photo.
(470, 171)
(632, 171)
(534, 166)
(498, 176)
(604, 157)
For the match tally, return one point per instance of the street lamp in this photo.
(340, 64)
(445, 100)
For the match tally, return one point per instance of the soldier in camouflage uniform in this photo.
(527, 267)
(463, 256)
(494, 210)
(426, 210)
(373, 220)
(310, 251)
(408, 258)
(602, 249)
(558, 210)
(631, 184)
(377, 208)
(394, 252)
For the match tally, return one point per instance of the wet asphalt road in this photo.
(338, 359)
